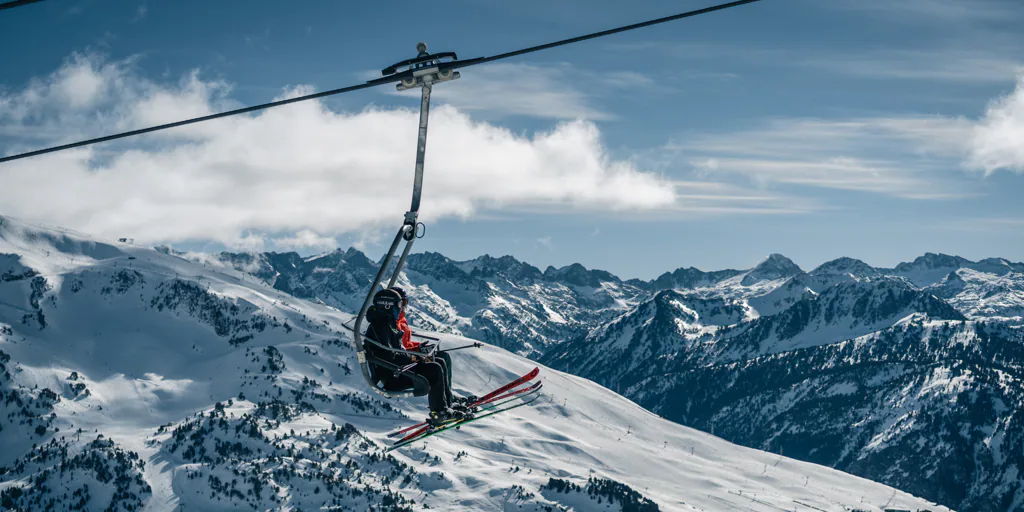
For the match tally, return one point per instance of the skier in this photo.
(440, 356)
(383, 316)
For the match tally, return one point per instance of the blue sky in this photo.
(877, 130)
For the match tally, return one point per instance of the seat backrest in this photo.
(381, 370)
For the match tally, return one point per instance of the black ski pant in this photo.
(440, 397)
(441, 356)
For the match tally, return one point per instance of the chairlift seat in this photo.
(385, 373)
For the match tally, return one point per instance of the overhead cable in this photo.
(17, 3)
(373, 83)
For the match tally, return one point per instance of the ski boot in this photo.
(463, 408)
(438, 418)
(464, 401)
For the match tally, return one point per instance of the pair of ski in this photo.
(488, 405)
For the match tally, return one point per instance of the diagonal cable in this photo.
(17, 3)
(482, 60)
(376, 82)
(371, 83)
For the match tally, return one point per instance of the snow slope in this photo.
(144, 380)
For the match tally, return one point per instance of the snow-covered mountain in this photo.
(138, 380)
(499, 300)
(596, 325)
(928, 406)
(984, 295)
(668, 323)
(623, 333)
(843, 366)
(776, 266)
(931, 268)
(689, 277)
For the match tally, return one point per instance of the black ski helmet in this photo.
(389, 302)
(401, 292)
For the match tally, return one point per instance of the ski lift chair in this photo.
(423, 71)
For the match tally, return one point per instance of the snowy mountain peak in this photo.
(843, 311)
(578, 275)
(932, 260)
(953, 279)
(437, 266)
(775, 266)
(998, 262)
(845, 266)
(931, 268)
(689, 278)
(507, 266)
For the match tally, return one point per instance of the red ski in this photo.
(525, 378)
(495, 405)
(497, 394)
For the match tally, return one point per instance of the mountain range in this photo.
(877, 371)
(135, 379)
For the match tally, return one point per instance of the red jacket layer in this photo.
(403, 325)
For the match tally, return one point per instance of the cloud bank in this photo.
(299, 175)
(912, 157)
(998, 139)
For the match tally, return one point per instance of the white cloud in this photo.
(140, 13)
(306, 239)
(957, 11)
(903, 157)
(545, 242)
(914, 157)
(981, 224)
(247, 242)
(986, 65)
(627, 80)
(504, 89)
(88, 96)
(980, 56)
(545, 92)
(998, 139)
(302, 168)
(79, 86)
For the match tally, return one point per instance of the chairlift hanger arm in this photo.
(391, 78)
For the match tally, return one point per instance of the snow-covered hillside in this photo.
(984, 295)
(842, 366)
(139, 380)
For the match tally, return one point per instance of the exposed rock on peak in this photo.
(845, 266)
(578, 275)
(932, 260)
(691, 278)
(507, 266)
(775, 266)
